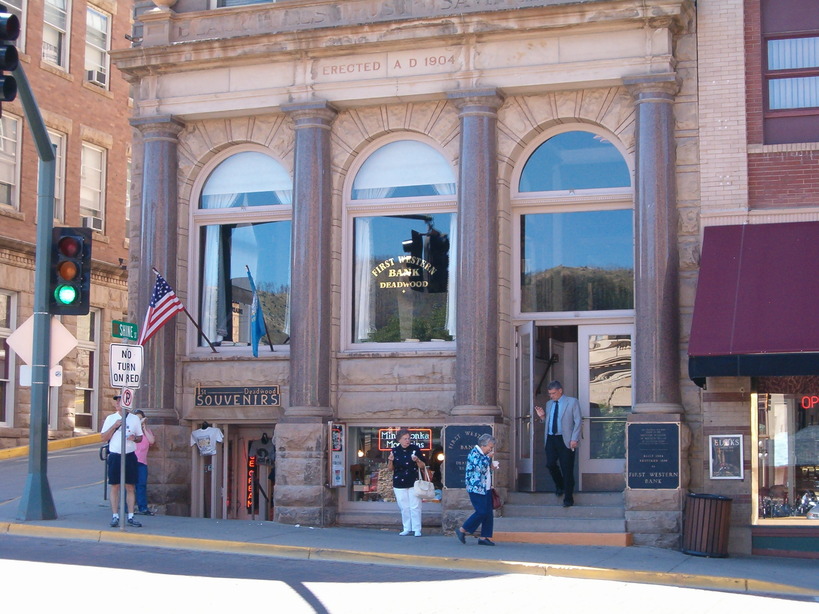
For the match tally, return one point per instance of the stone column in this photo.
(300, 493)
(654, 517)
(158, 248)
(476, 371)
(656, 362)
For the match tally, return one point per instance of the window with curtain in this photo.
(790, 65)
(404, 246)
(55, 32)
(576, 256)
(97, 44)
(9, 161)
(244, 226)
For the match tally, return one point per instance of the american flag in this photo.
(163, 306)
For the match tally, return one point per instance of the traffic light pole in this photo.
(37, 502)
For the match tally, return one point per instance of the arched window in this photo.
(403, 246)
(243, 222)
(572, 161)
(576, 248)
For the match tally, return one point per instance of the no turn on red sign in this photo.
(126, 365)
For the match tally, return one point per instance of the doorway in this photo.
(593, 364)
(250, 474)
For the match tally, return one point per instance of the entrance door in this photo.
(606, 398)
(250, 474)
(525, 443)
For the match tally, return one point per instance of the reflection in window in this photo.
(86, 370)
(6, 359)
(610, 395)
(227, 252)
(788, 452)
(577, 261)
(403, 281)
(403, 169)
(574, 161)
(793, 56)
(370, 478)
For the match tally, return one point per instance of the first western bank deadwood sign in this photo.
(237, 396)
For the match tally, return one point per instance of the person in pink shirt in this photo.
(142, 465)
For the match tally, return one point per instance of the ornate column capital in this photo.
(470, 102)
(660, 87)
(318, 114)
(158, 126)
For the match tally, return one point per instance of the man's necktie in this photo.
(554, 419)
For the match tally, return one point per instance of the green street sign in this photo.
(124, 330)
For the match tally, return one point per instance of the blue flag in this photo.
(257, 327)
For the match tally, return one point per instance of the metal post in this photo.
(37, 502)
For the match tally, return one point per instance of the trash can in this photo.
(707, 521)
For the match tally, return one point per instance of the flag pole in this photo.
(195, 323)
(264, 321)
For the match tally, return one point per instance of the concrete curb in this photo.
(56, 444)
(695, 581)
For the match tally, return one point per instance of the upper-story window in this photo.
(243, 227)
(576, 227)
(56, 25)
(97, 45)
(9, 161)
(92, 186)
(58, 139)
(790, 34)
(18, 8)
(403, 224)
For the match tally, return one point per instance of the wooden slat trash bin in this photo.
(707, 522)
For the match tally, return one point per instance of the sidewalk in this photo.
(83, 514)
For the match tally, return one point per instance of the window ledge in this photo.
(396, 353)
(98, 90)
(783, 148)
(56, 70)
(245, 354)
(6, 211)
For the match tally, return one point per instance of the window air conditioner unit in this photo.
(97, 77)
(94, 223)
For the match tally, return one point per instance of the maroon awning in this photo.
(757, 305)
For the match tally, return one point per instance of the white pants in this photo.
(410, 505)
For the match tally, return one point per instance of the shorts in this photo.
(131, 469)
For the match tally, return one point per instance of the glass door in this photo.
(524, 340)
(606, 397)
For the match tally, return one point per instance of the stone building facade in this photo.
(553, 159)
(84, 103)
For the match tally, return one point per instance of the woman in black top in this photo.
(405, 459)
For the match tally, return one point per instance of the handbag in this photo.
(496, 500)
(424, 488)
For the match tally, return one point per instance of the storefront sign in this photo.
(458, 441)
(653, 455)
(725, 458)
(232, 396)
(420, 437)
(250, 490)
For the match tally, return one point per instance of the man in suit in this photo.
(563, 421)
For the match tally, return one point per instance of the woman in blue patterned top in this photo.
(479, 487)
(405, 459)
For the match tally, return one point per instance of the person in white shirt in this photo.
(133, 434)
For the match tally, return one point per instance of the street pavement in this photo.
(83, 514)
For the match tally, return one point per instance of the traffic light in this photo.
(70, 283)
(9, 31)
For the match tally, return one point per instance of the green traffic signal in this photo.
(66, 295)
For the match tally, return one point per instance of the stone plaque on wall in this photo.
(653, 455)
(458, 441)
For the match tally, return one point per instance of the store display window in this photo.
(787, 466)
(370, 479)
